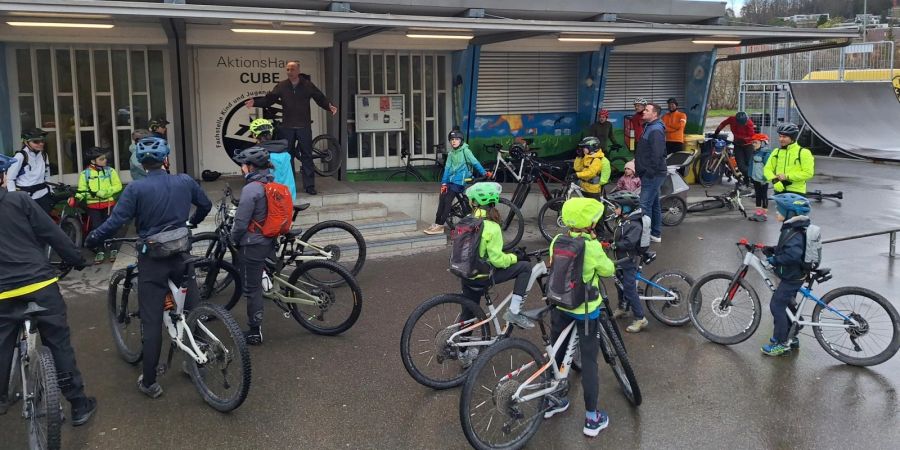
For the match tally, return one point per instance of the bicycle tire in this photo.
(673, 210)
(205, 245)
(500, 394)
(71, 227)
(833, 349)
(513, 225)
(14, 383)
(710, 172)
(353, 266)
(124, 322)
(706, 205)
(520, 194)
(407, 353)
(326, 155)
(405, 175)
(45, 418)
(211, 289)
(550, 218)
(328, 291)
(214, 315)
(696, 305)
(657, 308)
(619, 362)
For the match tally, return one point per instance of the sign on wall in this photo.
(379, 113)
(229, 77)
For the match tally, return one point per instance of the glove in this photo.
(771, 260)
(92, 240)
(443, 189)
(72, 202)
(768, 250)
(606, 244)
(520, 254)
(80, 265)
(489, 175)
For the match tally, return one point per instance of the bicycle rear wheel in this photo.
(512, 223)
(706, 205)
(72, 229)
(874, 341)
(405, 175)
(42, 406)
(550, 218)
(326, 155)
(339, 303)
(342, 240)
(490, 418)
(224, 380)
(618, 360)
(219, 282)
(723, 322)
(673, 313)
(673, 210)
(124, 318)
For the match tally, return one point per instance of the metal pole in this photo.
(865, 18)
(893, 251)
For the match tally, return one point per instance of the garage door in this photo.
(655, 77)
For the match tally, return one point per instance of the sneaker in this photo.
(152, 391)
(593, 427)
(756, 218)
(83, 409)
(311, 190)
(99, 257)
(656, 239)
(518, 320)
(467, 358)
(619, 313)
(638, 325)
(435, 229)
(772, 349)
(254, 336)
(112, 255)
(795, 342)
(559, 405)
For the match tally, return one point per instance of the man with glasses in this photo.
(31, 169)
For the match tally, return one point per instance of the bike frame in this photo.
(560, 373)
(279, 282)
(640, 278)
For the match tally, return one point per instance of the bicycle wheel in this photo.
(618, 360)
(405, 175)
(706, 205)
(427, 356)
(711, 172)
(520, 194)
(124, 318)
(512, 223)
(42, 402)
(342, 240)
(339, 304)
(874, 341)
(223, 281)
(72, 229)
(673, 210)
(14, 385)
(224, 380)
(326, 155)
(673, 313)
(724, 324)
(490, 418)
(219, 282)
(550, 219)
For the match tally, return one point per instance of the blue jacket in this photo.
(788, 257)
(158, 202)
(759, 164)
(281, 160)
(650, 153)
(459, 166)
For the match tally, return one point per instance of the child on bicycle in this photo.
(459, 165)
(591, 167)
(631, 223)
(760, 184)
(629, 181)
(787, 259)
(581, 216)
(246, 233)
(279, 156)
(98, 187)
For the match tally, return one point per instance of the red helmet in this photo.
(604, 113)
(760, 137)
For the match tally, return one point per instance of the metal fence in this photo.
(872, 61)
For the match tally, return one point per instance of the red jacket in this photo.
(742, 133)
(637, 124)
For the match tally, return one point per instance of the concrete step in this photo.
(345, 212)
(404, 243)
(323, 200)
(371, 229)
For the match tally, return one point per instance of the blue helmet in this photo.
(720, 143)
(6, 162)
(790, 204)
(741, 117)
(152, 149)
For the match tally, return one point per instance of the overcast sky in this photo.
(735, 4)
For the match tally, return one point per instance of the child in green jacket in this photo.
(98, 187)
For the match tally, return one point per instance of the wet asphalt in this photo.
(351, 391)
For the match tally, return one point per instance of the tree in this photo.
(822, 19)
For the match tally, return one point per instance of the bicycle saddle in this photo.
(648, 257)
(301, 207)
(294, 232)
(33, 308)
(821, 275)
(535, 314)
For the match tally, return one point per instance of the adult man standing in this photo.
(603, 130)
(650, 166)
(294, 95)
(31, 169)
(743, 130)
(675, 121)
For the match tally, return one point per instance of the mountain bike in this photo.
(437, 348)
(719, 162)
(411, 172)
(530, 170)
(550, 215)
(730, 200)
(513, 224)
(326, 155)
(665, 293)
(854, 325)
(215, 353)
(818, 196)
(513, 383)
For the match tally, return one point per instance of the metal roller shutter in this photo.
(655, 77)
(520, 83)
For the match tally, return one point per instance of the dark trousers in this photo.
(300, 146)
(446, 201)
(252, 262)
(96, 218)
(761, 192)
(46, 203)
(153, 285)
(627, 273)
(474, 289)
(590, 344)
(782, 298)
(743, 153)
(650, 202)
(672, 147)
(55, 335)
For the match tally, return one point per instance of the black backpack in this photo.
(465, 239)
(565, 285)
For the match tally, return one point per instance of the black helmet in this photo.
(591, 143)
(94, 153)
(517, 150)
(455, 134)
(741, 117)
(672, 100)
(789, 129)
(33, 134)
(255, 156)
(625, 199)
(210, 175)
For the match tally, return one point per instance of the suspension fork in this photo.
(733, 286)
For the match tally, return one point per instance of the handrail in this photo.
(892, 232)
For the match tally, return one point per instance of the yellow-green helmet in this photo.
(484, 193)
(581, 212)
(260, 127)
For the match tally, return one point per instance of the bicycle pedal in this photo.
(286, 315)
(162, 369)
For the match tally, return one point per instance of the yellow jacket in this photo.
(796, 163)
(593, 170)
(99, 188)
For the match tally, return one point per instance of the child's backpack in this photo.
(812, 248)
(465, 239)
(280, 211)
(645, 232)
(565, 282)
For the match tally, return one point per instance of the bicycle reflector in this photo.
(760, 245)
(744, 241)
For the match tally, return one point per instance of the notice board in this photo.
(380, 112)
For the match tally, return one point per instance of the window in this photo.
(655, 77)
(520, 83)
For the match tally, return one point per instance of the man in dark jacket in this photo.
(650, 166)
(160, 202)
(603, 130)
(294, 95)
(26, 276)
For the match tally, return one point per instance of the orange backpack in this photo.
(280, 215)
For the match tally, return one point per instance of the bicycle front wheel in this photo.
(720, 317)
(618, 360)
(550, 218)
(675, 285)
(42, 402)
(342, 241)
(219, 282)
(224, 380)
(124, 318)
(490, 417)
(338, 304)
(326, 155)
(511, 223)
(673, 210)
(873, 341)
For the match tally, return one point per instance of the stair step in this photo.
(404, 243)
(370, 228)
(343, 212)
(321, 200)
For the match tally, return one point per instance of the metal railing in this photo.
(892, 252)
(870, 61)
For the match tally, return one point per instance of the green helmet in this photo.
(484, 193)
(581, 212)
(260, 127)
(591, 143)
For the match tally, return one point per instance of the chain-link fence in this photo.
(872, 61)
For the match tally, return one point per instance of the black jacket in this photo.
(788, 256)
(627, 236)
(650, 152)
(26, 229)
(294, 101)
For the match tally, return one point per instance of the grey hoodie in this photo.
(275, 146)
(252, 208)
